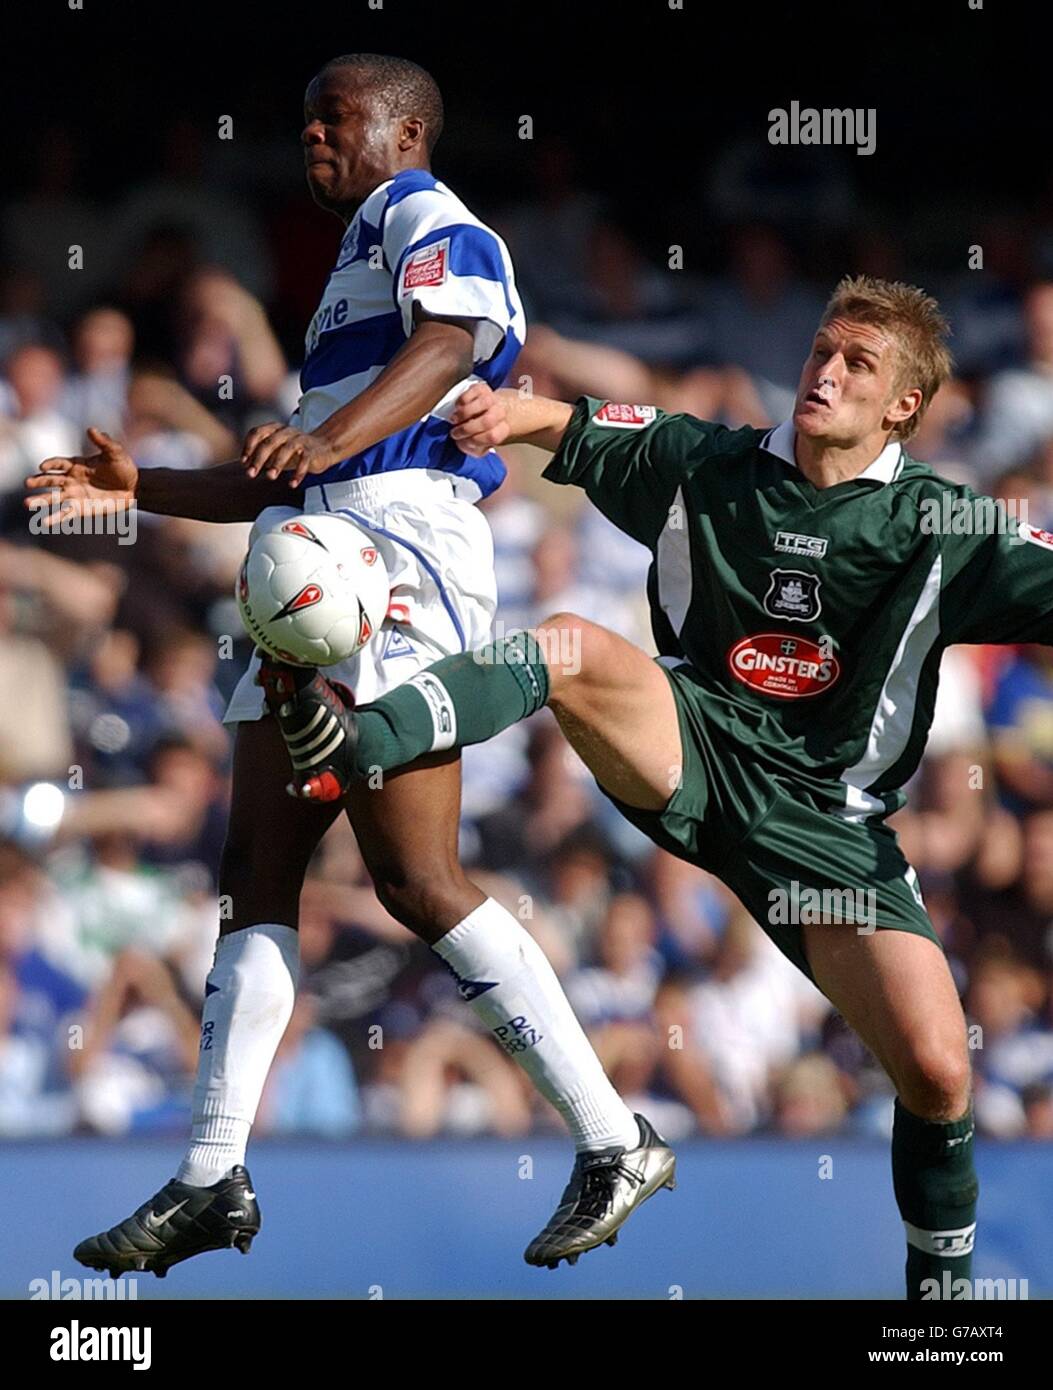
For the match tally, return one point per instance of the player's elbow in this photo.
(460, 361)
(451, 348)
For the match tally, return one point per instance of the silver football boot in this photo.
(605, 1188)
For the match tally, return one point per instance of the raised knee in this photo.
(936, 1082)
(569, 643)
(564, 622)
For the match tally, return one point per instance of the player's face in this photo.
(848, 387)
(347, 142)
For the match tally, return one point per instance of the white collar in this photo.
(884, 469)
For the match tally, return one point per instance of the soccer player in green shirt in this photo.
(805, 582)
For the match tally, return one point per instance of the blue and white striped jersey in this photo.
(411, 242)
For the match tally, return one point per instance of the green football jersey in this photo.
(815, 618)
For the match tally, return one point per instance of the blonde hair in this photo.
(915, 321)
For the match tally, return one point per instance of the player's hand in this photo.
(275, 448)
(77, 486)
(479, 420)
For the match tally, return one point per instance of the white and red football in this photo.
(312, 590)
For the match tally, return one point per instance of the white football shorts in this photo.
(439, 554)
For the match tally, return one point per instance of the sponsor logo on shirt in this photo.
(624, 417)
(792, 543)
(327, 316)
(790, 668)
(426, 267)
(793, 595)
(1035, 535)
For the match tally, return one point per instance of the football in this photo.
(312, 590)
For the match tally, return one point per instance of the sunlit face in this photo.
(848, 389)
(349, 143)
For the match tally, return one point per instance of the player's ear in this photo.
(411, 132)
(903, 406)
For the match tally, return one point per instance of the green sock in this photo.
(936, 1190)
(460, 700)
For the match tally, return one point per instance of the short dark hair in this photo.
(402, 86)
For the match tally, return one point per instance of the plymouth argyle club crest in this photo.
(793, 596)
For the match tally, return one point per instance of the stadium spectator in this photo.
(750, 1016)
(1014, 1047)
(808, 1098)
(96, 392)
(1016, 411)
(311, 1088)
(35, 428)
(1021, 722)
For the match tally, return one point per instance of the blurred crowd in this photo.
(178, 334)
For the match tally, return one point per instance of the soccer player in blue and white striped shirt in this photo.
(420, 305)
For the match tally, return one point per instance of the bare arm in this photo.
(483, 419)
(110, 481)
(223, 493)
(435, 357)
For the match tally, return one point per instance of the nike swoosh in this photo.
(155, 1219)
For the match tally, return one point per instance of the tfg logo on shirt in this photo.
(794, 543)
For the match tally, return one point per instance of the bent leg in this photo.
(407, 824)
(612, 701)
(616, 708)
(895, 989)
(407, 828)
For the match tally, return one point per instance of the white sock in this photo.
(506, 977)
(248, 1000)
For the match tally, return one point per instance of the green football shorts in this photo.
(787, 859)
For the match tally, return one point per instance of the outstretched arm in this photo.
(484, 419)
(110, 481)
